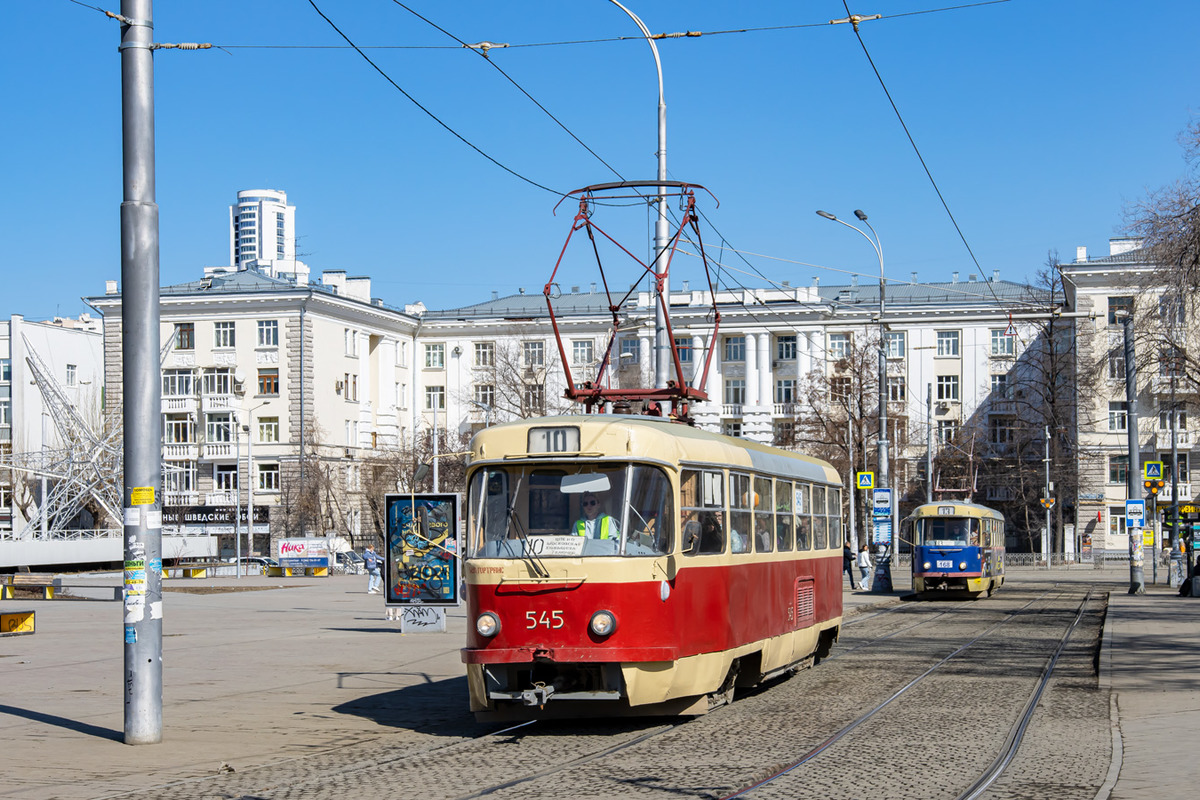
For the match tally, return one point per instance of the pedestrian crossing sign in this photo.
(866, 480)
(1153, 469)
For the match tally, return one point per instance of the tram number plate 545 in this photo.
(547, 619)
(945, 565)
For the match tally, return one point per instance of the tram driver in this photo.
(595, 523)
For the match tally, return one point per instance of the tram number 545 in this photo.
(547, 619)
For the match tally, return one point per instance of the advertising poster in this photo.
(421, 556)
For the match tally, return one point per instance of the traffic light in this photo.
(1153, 486)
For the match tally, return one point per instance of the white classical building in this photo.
(1107, 286)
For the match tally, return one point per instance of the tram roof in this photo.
(662, 439)
(960, 507)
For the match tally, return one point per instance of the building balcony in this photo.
(785, 409)
(218, 450)
(215, 403)
(181, 452)
(179, 405)
(1162, 440)
(220, 499)
(1185, 493)
(731, 410)
(181, 498)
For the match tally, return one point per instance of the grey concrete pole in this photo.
(1137, 575)
(1177, 573)
(1046, 547)
(929, 442)
(850, 474)
(141, 386)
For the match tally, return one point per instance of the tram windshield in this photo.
(569, 511)
(948, 531)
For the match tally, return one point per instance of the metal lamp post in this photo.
(1137, 573)
(661, 229)
(249, 429)
(883, 578)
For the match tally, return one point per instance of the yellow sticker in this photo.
(141, 496)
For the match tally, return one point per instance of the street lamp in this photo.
(237, 522)
(883, 574)
(661, 229)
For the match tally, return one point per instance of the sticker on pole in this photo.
(866, 480)
(1135, 513)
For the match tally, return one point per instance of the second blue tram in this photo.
(957, 548)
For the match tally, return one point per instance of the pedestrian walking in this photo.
(848, 562)
(864, 567)
(373, 563)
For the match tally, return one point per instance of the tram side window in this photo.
(764, 516)
(803, 516)
(740, 501)
(820, 529)
(651, 513)
(835, 516)
(783, 515)
(702, 506)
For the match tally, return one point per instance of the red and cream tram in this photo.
(632, 565)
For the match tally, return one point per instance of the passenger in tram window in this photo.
(595, 523)
(763, 540)
(712, 532)
(691, 532)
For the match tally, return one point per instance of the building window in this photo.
(785, 390)
(947, 387)
(351, 341)
(1116, 521)
(217, 381)
(268, 333)
(731, 428)
(71, 375)
(185, 336)
(268, 381)
(534, 398)
(534, 353)
(630, 353)
(785, 347)
(840, 388)
(177, 383)
(402, 355)
(485, 395)
(225, 477)
(1116, 364)
(268, 430)
(178, 429)
(1171, 310)
(352, 433)
(1164, 419)
(894, 344)
(1170, 361)
(219, 427)
(839, 346)
(223, 334)
(485, 354)
(1000, 430)
(352, 388)
(181, 477)
(947, 343)
(897, 389)
(268, 477)
(5, 411)
(683, 346)
(5, 369)
(1118, 416)
(1003, 344)
(1183, 467)
(735, 348)
(1000, 387)
(735, 391)
(1119, 306)
(435, 356)
(435, 397)
(1118, 469)
(947, 429)
(582, 352)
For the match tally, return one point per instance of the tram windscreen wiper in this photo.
(513, 523)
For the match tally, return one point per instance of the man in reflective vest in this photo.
(595, 524)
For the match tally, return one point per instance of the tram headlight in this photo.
(603, 623)
(927, 565)
(488, 624)
(962, 565)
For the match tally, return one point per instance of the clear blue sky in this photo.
(1039, 119)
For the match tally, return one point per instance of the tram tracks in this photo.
(1000, 762)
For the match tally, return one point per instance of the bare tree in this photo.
(519, 377)
(395, 469)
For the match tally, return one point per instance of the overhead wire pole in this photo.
(141, 389)
(662, 225)
(1137, 572)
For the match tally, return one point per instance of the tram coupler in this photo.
(537, 696)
